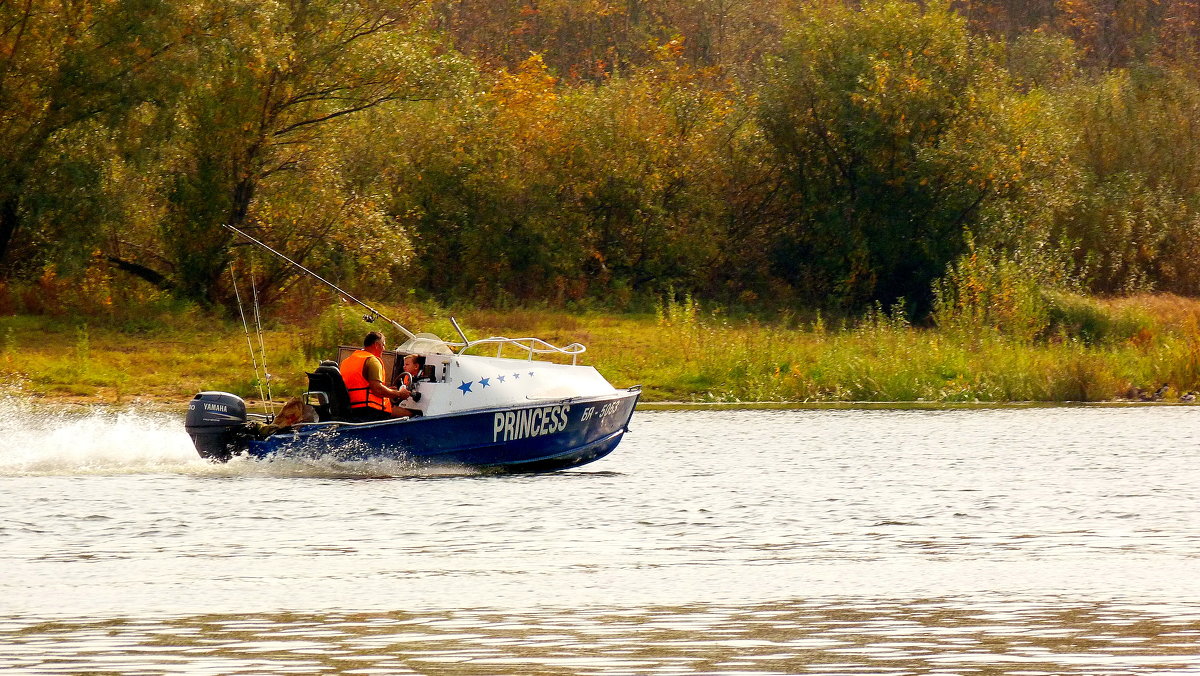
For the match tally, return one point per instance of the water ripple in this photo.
(997, 541)
(798, 637)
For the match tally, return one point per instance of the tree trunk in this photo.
(10, 221)
(138, 270)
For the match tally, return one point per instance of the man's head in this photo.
(375, 343)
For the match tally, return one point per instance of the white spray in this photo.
(40, 439)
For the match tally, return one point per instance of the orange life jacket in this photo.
(357, 385)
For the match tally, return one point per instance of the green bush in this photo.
(1085, 319)
(984, 289)
(339, 325)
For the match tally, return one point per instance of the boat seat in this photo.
(327, 379)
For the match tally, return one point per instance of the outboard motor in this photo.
(216, 421)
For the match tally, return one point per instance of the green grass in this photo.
(681, 353)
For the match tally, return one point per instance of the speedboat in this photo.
(493, 413)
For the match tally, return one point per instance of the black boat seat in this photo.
(335, 404)
(327, 380)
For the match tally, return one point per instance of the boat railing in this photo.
(531, 346)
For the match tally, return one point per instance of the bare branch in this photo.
(348, 111)
(138, 270)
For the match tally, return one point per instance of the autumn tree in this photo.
(1111, 33)
(270, 85)
(1133, 224)
(65, 68)
(1008, 18)
(883, 118)
(532, 189)
(590, 41)
(1178, 39)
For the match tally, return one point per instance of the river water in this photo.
(1016, 541)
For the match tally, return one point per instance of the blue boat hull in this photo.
(537, 438)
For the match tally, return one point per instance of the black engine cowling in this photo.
(216, 421)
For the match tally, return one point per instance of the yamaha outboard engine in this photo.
(216, 421)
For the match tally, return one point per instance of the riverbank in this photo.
(681, 353)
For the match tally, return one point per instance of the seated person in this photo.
(362, 371)
(414, 364)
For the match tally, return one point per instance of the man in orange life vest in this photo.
(363, 373)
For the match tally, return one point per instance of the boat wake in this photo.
(50, 439)
(38, 439)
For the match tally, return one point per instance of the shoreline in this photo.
(705, 362)
(167, 404)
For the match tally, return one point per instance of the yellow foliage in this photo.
(532, 84)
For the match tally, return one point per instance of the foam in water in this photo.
(331, 466)
(54, 439)
(46, 439)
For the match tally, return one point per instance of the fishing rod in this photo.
(367, 318)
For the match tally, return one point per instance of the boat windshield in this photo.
(425, 343)
(428, 343)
